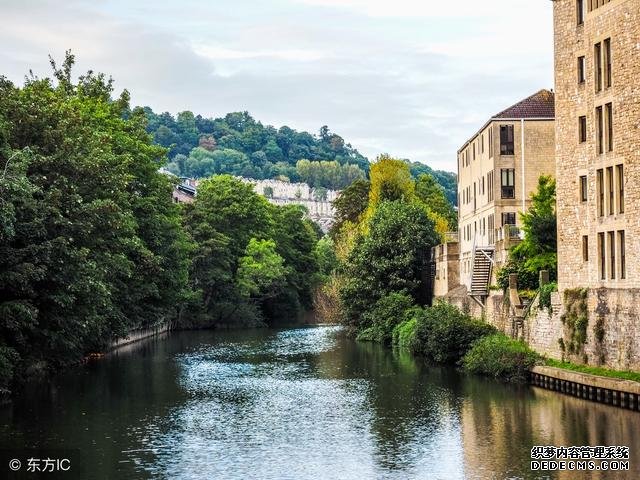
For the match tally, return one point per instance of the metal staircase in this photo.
(481, 272)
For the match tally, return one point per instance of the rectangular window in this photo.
(580, 11)
(607, 62)
(599, 131)
(482, 143)
(508, 183)
(621, 246)
(506, 140)
(491, 142)
(585, 248)
(608, 109)
(483, 190)
(601, 254)
(508, 218)
(612, 255)
(490, 222)
(581, 70)
(610, 188)
(583, 188)
(620, 175)
(600, 191)
(490, 187)
(582, 129)
(597, 62)
(474, 150)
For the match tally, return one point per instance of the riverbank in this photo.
(613, 391)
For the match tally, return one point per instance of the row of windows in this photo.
(612, 263)
(581, 5)
(602, 66)
(604, 128)
(506, 145)
(507, 187)
(487, 225)
(609, 190)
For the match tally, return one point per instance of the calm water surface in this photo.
(301, 403)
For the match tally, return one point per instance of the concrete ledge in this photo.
(596, 381)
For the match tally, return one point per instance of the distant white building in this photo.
(318, 201)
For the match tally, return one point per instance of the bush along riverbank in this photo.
(444, 335)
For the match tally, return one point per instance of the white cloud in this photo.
(413, 79)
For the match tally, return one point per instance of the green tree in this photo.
(433, 196)
(539, 247)
(261, 273)
(91, 245)
(390, 258)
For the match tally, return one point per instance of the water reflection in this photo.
(301, 403)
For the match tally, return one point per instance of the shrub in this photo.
(501, 357)
(386, 313)
(545, 295)
(444, 334)
(404, 333)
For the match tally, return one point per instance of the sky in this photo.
(411, 78)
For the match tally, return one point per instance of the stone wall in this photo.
(620, 345)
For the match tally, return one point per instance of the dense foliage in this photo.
(444, 334)
(90, 242)
(253, 261)
(501, 357)
(239, 145)
(390, 258)
(538, 249)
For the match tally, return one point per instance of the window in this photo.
(597, 61)
(585, 248)
(482, 180)
(581, 70)
(612, 255)
(490, 187)
(506, 140)
(474, 150)
(621, 246)
(580, 11)
(583, 188)
(600, 191)
(491, 142)
(601, 255)
(608, 110)
(607, 62)
(620, 175)
(610, 189)
(508, 218)
(482, 143)
(582, 129)
(508, 182)
(490, 226)
(599, 131)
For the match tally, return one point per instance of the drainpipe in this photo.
(524, 191)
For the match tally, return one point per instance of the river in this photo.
(301, 403)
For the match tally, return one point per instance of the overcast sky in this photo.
(412, 78)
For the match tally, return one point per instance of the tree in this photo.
(400, 237)
(91, 245)
(539, 247)
(261, 273)
(432, 195)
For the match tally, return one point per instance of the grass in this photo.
(603, 372)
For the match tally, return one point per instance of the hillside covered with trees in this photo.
(237, 144)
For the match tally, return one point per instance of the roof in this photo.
(539, 105)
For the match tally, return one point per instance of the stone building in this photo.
(597, 58)
(317, 201)
(498, 170)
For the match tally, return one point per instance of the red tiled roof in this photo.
(538, 105)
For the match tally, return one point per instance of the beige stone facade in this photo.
(599, 226)
(447, 259)
(498, 170)
(597, 49)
